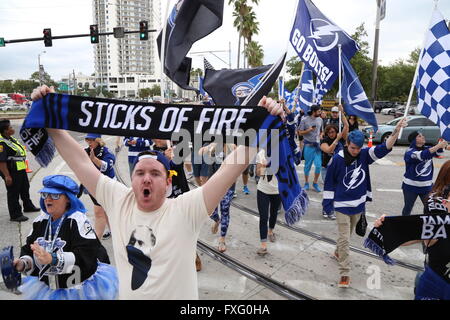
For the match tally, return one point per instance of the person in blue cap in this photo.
(104, 161)
(157, 237)
(347, 188)
(62, 256)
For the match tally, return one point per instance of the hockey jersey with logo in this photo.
(142, 144)
(418, 177)
(75, 245)
(347, 188)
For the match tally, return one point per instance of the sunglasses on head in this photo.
(54, 196)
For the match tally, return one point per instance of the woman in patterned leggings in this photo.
(224, 218)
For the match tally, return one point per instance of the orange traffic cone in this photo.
(28, 170)
(370, 143)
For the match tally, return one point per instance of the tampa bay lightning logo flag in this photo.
(356, 102)
(305, 100)
(315, 38)
(231, 86)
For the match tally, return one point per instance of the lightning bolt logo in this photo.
(357, 176)
(308, 87)
(426, 169)
(326, 30)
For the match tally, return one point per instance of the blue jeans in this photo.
(268, 206)
(410, 198)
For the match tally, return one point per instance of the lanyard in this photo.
(49, 230)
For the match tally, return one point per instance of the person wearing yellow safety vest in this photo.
(13, 171)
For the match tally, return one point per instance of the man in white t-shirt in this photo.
(154, 238)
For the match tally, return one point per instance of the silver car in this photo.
(415, 123)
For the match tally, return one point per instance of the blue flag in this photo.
(280, 88)
(315, 38)
(305, 100)
(356, 102)
(433, 80)
(319, 92)
(200, 86)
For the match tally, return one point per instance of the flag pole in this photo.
(413, 84)
(340, 85)
(163, 50)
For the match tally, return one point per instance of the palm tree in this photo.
(241, 10)
(250, 27)
(254, 54)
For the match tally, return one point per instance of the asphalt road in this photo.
(297, 260)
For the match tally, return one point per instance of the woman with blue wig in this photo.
(63, 258)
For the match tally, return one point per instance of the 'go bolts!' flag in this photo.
(189, 21)
(305, 100)
(315, 38)
(356, 102)
(433, 81)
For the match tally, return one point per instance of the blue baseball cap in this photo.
(153, 154)
(93, 136)
(356, 137)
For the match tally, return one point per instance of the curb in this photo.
(12, 116)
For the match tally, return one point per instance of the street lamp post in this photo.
(40, 68)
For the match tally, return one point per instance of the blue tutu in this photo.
(102, 285)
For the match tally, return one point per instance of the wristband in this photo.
(54, 259)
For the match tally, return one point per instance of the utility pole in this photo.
(373, 97)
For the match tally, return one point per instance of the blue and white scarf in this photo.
(125, 118)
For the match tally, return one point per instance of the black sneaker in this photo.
(19, 219)
(106, 235)
(31, 209)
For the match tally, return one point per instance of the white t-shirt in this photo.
(167, 237)
(264, 185)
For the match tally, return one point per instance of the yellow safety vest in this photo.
(20, 155)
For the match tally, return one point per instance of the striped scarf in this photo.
(125, 118)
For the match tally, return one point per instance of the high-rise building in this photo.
(127, 64)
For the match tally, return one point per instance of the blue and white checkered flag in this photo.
(306, 90)
(433, 85)
(319, 92)
(356, 102)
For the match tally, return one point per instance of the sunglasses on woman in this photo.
(54, 196)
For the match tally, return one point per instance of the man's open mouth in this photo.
(146, 193)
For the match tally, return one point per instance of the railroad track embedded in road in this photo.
(252, 274)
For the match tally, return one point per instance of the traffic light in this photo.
(143, 30)
(47, 37)
(94, 33)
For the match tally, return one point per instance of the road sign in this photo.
(63, 86)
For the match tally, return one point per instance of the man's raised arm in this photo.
(74, 155)
(234, 164)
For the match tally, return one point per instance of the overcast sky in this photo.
(402, 30)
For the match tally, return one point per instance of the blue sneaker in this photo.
(316, 187)
(306, 186)
(245, 190)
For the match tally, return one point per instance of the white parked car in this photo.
(387, 111)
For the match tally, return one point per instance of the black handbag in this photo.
(361, 226)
